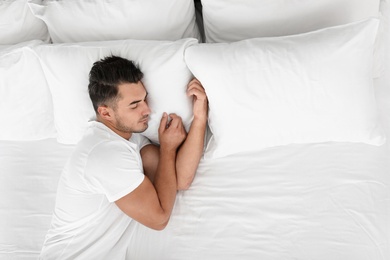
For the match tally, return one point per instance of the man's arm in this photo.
(191, 150)
(150, 155)
(152, 204)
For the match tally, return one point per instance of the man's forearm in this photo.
(190, 153)
(165, 181)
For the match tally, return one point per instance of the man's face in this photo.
(132, 111)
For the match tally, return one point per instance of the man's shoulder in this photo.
(96, 146)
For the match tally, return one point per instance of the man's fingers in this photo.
(163, 122)
(195, 89)
(194, 84)
(196, 92)
(175, 120)
(195, 80)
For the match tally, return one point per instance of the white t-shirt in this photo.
(86, 223)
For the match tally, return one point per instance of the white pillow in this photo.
(382, 41)
(313, 87)
(234, 20)
(25, 100)
(67, 68)
(18, 24)
(99, 20)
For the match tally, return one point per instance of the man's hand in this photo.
(171, 133)
(200, 104)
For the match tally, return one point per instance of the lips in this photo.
(144, 120)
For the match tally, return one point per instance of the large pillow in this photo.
(25, 99)
(67, 68)
(18, 24)
(313, 87)
(98, 20)
(234, 20)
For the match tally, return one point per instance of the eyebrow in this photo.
(137, 101)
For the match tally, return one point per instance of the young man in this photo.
(103, 186)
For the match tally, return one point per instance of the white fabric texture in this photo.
(99, 20)
(234, 20)
(25, 97)
(302, 201)
(86, 222)
(317, 201)
(29, 174)
(67, 67)
(382, 39)
(313, 87)
(18, 24)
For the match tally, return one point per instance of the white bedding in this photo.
(328, 201)
(29, 173)
(324, 201)
(312, 201)
(320, 201)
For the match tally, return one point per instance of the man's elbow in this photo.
(184, 187)
(184, 184)
(159, 220)
(159, 226)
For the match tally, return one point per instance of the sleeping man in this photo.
(115, 175)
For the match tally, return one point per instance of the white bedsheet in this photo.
(319, 201)
(29, 173)
(323, 201)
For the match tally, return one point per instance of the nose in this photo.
(146, 109)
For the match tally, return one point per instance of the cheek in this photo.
(130, 116)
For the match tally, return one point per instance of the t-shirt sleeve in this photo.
(141, 140)
(114, 169)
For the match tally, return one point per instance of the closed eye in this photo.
(134, 104)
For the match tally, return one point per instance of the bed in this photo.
(297, 159)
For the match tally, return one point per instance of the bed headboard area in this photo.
(296, 163)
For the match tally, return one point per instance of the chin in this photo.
(141, 130)
(146, 125)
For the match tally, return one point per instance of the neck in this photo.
(125, 135)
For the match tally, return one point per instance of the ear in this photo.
(105, 112)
